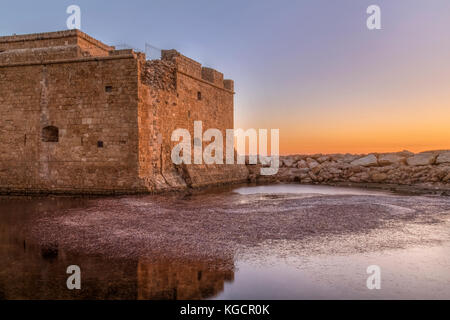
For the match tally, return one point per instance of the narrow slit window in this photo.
(199, 95)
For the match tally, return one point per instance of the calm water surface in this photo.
(272, 271)
(307, 189)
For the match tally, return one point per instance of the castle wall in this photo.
(79, 116)
(72, 97)
(175, 92)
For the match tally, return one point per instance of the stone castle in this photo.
(78, 116)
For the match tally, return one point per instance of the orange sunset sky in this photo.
(338, 87)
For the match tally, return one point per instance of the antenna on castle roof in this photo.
(152, 52)
(122, 46)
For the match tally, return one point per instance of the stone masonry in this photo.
(78, 116)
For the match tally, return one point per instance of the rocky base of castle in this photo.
(183, 177)
(403, 171)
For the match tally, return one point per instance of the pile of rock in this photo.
(430, 169)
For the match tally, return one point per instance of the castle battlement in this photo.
(72, 44)
(55, 39)
(195, 69)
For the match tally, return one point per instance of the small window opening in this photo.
(100, 144)
(50, 134)
(199, 95)
(108, 88)
(189, 113)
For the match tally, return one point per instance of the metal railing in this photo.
(151, 52)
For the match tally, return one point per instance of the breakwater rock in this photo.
(426, 170)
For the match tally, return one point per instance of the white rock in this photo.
(368, 161)
(345, 158)
(323, 159)
(288, 162)
(390, 158)
(312, 163)
(421, 159)
(443, 157)
(302, 164)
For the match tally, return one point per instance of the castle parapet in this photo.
(212, 76)
(228, 84)
(194, 69)
(54, 41)
(183, 63)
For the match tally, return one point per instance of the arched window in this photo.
(50, 134)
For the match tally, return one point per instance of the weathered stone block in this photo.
(390, 158)
(443, 157)
(421, 159)
(368, 161)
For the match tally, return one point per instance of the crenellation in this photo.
(184, 64)
(55, 39)
(212, 76)
(228, 84)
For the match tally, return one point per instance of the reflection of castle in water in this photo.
(181, 280)
(31, 271)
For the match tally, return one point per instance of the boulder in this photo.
(311, 163)
(367, 161)
(356, 169)
(360, 177)
(421, 159)
(323, 159)
(335, 171)
(446, 178)
(312, 176)
(390, 158)
(306, 180)
(325, 175)
(302, 164)
(294, 172)
(443, 157)
(345, 158)
(379, 177)
(316, 169)
(288, 161)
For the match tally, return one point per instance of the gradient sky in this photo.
(310, 68)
